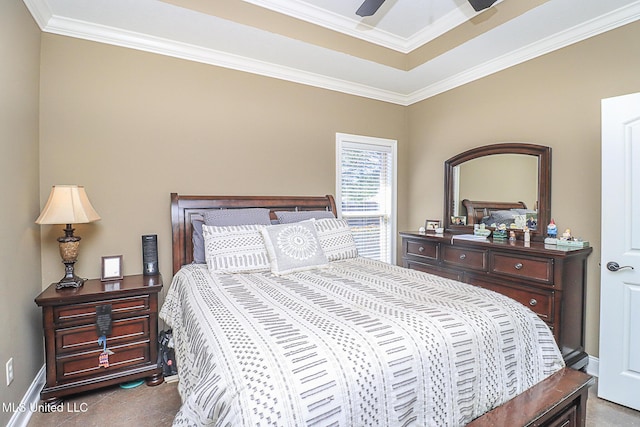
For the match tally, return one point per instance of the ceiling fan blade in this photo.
(479, 5)
(369, 7)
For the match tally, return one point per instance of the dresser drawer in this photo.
(86, 364)
(80, 338)
(422, 249)
(85, 313)
(475, 259)
(539, 301)
(534, 268)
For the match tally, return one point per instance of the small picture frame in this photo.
(431, 224)
(111, 268)
(458, 220)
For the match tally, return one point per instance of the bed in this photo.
(350, 341)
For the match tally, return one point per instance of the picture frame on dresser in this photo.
(432, 225)
(459, 220)
(111, 268)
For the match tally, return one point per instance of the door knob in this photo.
(614, 266)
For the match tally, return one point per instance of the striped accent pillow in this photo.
(235, 249)
(336, 239)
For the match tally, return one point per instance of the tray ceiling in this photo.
(408, 51)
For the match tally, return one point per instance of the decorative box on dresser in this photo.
(550, 280)
(71, 335)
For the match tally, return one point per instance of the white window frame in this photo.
(344, 140)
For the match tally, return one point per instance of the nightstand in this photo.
(71, 336)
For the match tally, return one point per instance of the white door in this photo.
(619, 371)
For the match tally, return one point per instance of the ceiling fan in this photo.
(369, 7)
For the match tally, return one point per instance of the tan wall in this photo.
(132, 127)
(21, 336)
(553, 100)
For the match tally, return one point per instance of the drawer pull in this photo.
(463, 256)
(421, 249)
(518, 266)
(533, 302)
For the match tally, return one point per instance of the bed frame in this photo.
(560, 399)
(185, 209)
(476, 210)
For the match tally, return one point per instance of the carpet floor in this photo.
(156, 406)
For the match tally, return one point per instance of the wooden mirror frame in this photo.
(543, 154)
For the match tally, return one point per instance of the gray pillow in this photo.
(293, 247)
(523, 211)
(198, 242)
(249, 216)
(287, 217)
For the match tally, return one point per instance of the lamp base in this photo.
(70, 283)
(70, 280)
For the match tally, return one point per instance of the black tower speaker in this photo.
(150, 255)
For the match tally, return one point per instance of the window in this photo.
(366, 192)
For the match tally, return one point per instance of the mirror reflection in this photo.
(511, 179)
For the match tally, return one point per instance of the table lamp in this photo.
(68, 204)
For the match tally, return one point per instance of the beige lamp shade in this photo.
(67, 204)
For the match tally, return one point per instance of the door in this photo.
(619, 372)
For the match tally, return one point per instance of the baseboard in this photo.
(29, 401)
(593, 367)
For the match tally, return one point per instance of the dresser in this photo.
(548, 279)
(69, 318)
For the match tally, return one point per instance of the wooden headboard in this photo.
(476, 210)
(184, 209)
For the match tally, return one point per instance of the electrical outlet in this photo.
(9, 371)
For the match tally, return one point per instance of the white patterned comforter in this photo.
(360, 343)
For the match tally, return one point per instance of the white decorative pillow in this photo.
(293, 247)
(336, 239)
(235, 249)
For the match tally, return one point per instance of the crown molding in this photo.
(40, 11)
(133, 40)
(602, 24)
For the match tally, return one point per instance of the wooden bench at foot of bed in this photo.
(560, 400)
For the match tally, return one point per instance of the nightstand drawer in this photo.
(86, 364)
(475, 259)
(85, 337)
(539, 301)
(86, 313)
(539, 269)
(422, 249)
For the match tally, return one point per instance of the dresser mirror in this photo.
(506, 183)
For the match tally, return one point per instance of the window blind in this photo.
(366, 177)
